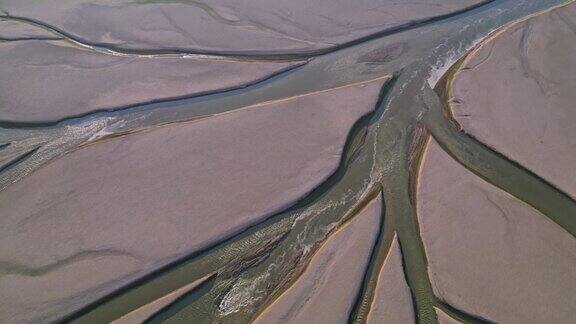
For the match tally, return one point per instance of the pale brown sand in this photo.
(23, 296)
(392, 300)
(141, 314)
(326, 291)
(161, 194)
(10, 30)
(228, 24)
(443, 318)
(490, 254)
(52, 80)
(517, 96)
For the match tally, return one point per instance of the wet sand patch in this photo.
(490, 254)
(228, 25)
(162, 194)
(392, 301)
(516, 95)
(326, 291)
(51, 80)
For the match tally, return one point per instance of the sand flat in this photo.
(392, 300)
(528, 113)
(250, 25)
(443, 318)
(490, 254)
(326, 291)
(155, 196)
(140, 315)
(11, 30)
(51, 80)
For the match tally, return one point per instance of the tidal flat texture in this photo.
(443, 318)
(489, 253)
(326, 291)
(11, 30)
(141, 314)
(226, 25)
(197, 181)
(392, 301)
(516, 94)
(268, 161)
(63, 81)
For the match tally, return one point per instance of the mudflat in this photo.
(489, 253)
(326, 291)
(392, 301)
(107, 210)
(516, 95)
(62, 81)
(443, 318)
(327, 161)
(11, 30)
(226, 25)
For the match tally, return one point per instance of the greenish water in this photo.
(250, 269)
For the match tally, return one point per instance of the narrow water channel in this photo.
(247, 271)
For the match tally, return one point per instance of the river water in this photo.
(247, 271)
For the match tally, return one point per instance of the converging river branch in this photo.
(251, 270)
